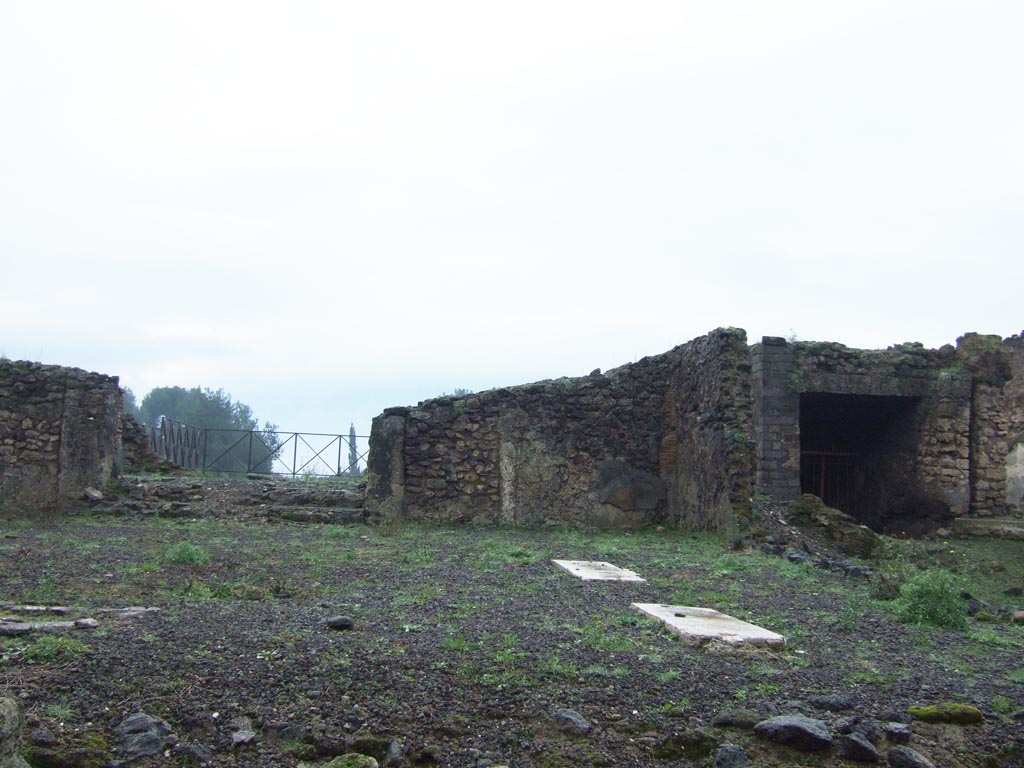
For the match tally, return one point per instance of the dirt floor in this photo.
(460, 647)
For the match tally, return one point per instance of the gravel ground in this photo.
(465, 646)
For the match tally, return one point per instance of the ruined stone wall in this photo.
(645, 442)
(776, 419)
(137, 449)
(967, 417)
(59, 433)
(996, 367)
(1014, 401)
(928, 464)
(687, 436)
(926, 455)
(711, 485)
(530, 454)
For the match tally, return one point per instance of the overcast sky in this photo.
(328, 208)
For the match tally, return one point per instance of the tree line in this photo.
(228, 424)
(228, 446)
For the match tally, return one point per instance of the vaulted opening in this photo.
(857, 453)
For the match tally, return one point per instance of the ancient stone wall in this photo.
(950, 435)
(996, 368)
(712, 482)
(687, 437)
(59, 433)
(1013, 390)
(776, 419)
(612, 449)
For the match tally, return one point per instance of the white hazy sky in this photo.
(328, 208)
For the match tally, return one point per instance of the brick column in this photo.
(776, 419)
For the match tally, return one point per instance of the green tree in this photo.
(353, 452)
(234, 439)
(131, 406)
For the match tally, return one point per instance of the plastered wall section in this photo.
(59, 433)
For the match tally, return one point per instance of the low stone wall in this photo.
(59, 434)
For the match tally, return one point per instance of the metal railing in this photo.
(241, 451)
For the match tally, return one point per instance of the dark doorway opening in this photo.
(857, 452)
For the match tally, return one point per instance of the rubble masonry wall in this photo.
(662, 438)
(59, 433)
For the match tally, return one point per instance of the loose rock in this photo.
(905, 757)
(897, 733)
(353, 761)
(195, 753)
(801, 733)
(836, 702)
(142, 735)
(731, 756)
(856, 747)
(693, 744)
(948, 712)
(11, 726)
(240, 738)
(42, 737)
(737, 718)
(570, 721)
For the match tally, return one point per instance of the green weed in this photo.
(596, 635)
(185, 553)
(932, 597)
(1001, 705)
(556, 666)
(456, 643)
(46, 648)
(59, 710)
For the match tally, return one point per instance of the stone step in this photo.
(996, 527)
(306, 514)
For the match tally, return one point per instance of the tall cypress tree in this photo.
(353, 453)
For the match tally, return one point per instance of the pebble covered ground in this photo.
(278, 643)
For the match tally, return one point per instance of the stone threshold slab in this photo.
(708, 624)
(594, 570)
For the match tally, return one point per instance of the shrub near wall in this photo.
(59, 433)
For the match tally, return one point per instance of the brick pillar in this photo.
(776, 427)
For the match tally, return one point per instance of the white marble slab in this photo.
(707, 624)
(593, 570)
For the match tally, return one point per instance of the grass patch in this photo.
(185, 553)
(1016, 675)
(557, 666)
(42, 649)
(932, 597)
